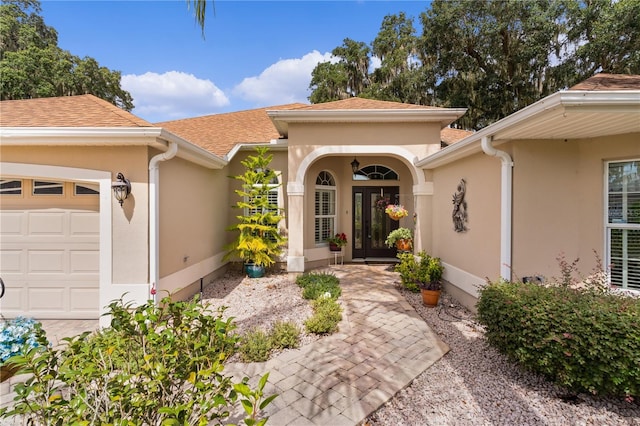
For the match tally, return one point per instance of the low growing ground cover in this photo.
(322, 290)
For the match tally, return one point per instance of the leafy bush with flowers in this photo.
(157, 364)
(396, 211)
(340, 239)
(17, 336)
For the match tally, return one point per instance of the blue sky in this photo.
(254, 54)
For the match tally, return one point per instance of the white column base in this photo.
(295, 264)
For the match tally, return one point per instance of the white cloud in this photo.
(172, 95)
(284, 82)
(374, 64)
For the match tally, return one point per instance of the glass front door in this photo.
(371, 224)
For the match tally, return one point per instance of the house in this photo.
(558, 176)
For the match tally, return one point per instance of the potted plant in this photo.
(337, 242)
(429, 279)
(402, 238)
(258, 242)
(422, 273)
(396, 211)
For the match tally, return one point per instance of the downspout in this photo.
(505, 205)
(154, 207)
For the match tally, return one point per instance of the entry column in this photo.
(423, 219)
(295, 216)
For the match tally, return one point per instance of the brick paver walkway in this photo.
(339, 380)
(382, 345)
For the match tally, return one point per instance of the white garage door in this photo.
(49, 262)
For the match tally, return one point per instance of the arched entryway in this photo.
(385, 170)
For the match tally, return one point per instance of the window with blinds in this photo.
(623, 223)
(325, 207)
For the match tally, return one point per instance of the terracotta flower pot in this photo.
(430, 297)
(403, 245)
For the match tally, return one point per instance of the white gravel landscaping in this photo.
(472, 385)
(475, 385)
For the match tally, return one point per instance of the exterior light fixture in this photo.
(355, 165)
(121, 188)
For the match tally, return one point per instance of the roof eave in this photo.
(558, 104)
(273, 145)
(443, 116)
(155, 137)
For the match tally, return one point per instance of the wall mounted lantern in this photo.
(355, 165)
(121, 188)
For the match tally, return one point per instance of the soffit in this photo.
(579, 115)
(563, 115)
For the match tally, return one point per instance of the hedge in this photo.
(582, 340)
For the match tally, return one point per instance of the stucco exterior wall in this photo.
(193, 210)
(468, 256)
(129, 223)
(559, 201)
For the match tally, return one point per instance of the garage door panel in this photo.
(11, 261)
(84, 224)
(84, 261)
(47, 223)
(46, 261)
(12, 224)
(46, 299)
(49, 261)
(14, 298)
(83, 299)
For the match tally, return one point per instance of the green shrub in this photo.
(408, 270)
(327, 315)
(155, 364)
(421, 271)
(255, 346)
(583, 340)
(285, 335)
(317, 284)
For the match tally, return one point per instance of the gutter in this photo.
(273, 145)
(506, 210)
(154, 208)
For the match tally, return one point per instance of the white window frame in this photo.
(317, 214)
(17, 191)
(90, 186)
(47, 185)
(621, 225)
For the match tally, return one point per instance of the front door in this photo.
(371, 224)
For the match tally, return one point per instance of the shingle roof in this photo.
(604, 81)
(362, 104)
(219, 133)
(66, 111)
(449, 135)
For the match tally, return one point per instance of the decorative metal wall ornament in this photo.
(459, 214)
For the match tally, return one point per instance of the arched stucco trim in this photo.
(103, 179)
(409, 157)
